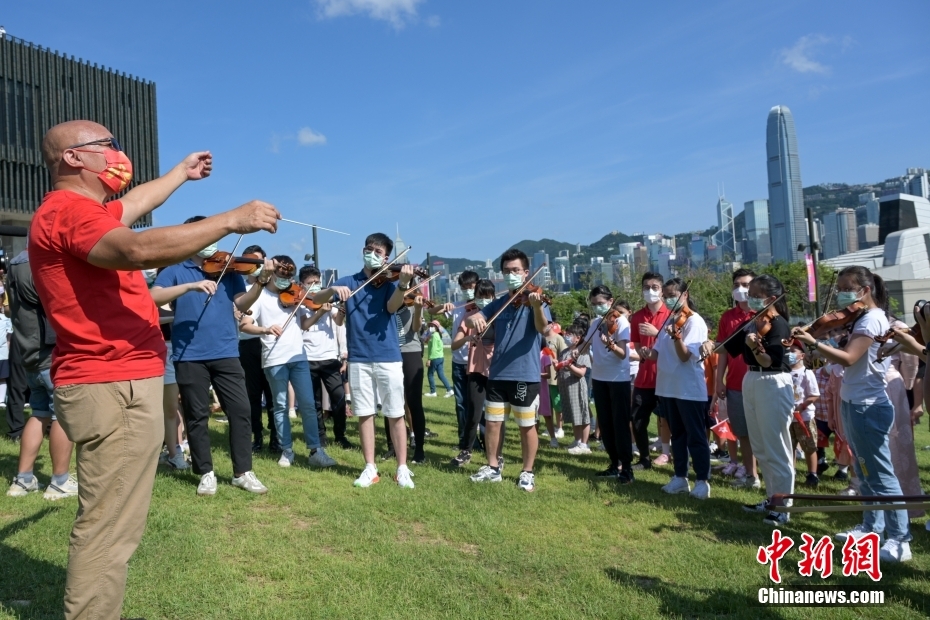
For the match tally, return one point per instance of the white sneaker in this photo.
(404, 477)
(287, 458)
(448, 395)
(21, 489)
(856, 533)
(292, 414)
(486, 474)
(64, 491)
(249, 482)
(746, 483)
(178, 461)
(572, 444)
(553, 443)
(895, 551)
(849, 491)
(526, 481)
(701, 490)
(559, 433)
(430, 395)
(677, 485)
(368, 477)
(207, 484)
(581, 448)
(320, 459)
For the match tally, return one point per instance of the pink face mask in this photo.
(118, 172)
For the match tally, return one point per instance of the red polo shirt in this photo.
(105, 321)
(736, 366)
(646, 377)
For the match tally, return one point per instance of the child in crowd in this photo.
(803, 428)
(547, 370)
(573, 388)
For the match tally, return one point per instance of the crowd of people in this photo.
(133, 364)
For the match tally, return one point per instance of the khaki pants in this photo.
(118, 430)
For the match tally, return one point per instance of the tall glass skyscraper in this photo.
(757, 248)
(786, 200)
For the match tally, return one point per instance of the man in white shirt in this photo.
(321, 344)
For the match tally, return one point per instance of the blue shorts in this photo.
(41, 394)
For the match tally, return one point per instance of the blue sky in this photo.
(474, 125)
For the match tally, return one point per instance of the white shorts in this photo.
(371, 380)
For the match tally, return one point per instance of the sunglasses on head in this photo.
(110, 142)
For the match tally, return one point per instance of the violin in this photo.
(885, 351)
(392, 274)
(763, 321)
(677, 321)
(411, 298)
(831, 321)
(523, 297)
(244, 265)
(471, 307)
(293, 294)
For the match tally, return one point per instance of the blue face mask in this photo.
(673, 303)
(481, 303)
(514, 280)
(282, 283)
(208, 251)
(372, 260)
(792, 358)
(755, 304)
(469, 293)
(846, 298)
(569, 340)
(601, 309)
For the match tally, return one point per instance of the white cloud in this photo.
(799, 57)
(308, 137)
(396, 12)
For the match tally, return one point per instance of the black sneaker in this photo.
(812, 481)
(428, 433)
(625, 477)
(822, 467)
(610, 472)
(388, 455)
(761, 507)
(841, 476)
(274, 447)
(418, 459)
(776, 518)
(345, 443)
(257, 446)
(463, 459)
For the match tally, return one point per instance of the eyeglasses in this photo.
(110, 142)
(512, 270)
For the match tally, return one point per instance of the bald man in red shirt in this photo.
(109, 360)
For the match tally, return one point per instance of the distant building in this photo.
(786, 198)
(641, 259)
(698, 250)
(40, 88)
(914, 183)
(582, 277)
(900, 212)
(840, 234)
(868, 236)
(399, 247)
(329, 276)
(541, 259)
(758, 247)
(867, 212)
(561, 270)
(725, 237)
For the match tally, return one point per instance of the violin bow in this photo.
(830, 292)
(225, 267)
(284, 219)
(513, 296)
(719, 347)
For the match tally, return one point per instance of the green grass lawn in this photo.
(314, 546)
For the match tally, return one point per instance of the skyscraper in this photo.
(786, 201)
(725, 237)
(758, 245)
(541, 259)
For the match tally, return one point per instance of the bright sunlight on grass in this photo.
(314, 546)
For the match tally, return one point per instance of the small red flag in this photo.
(722, 431)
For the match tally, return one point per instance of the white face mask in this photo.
(514, 280)
(148, 274)
(469, 293)
(315, 287)
(208, 251)
(740, 294)
(651, 296)
(481, 303)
